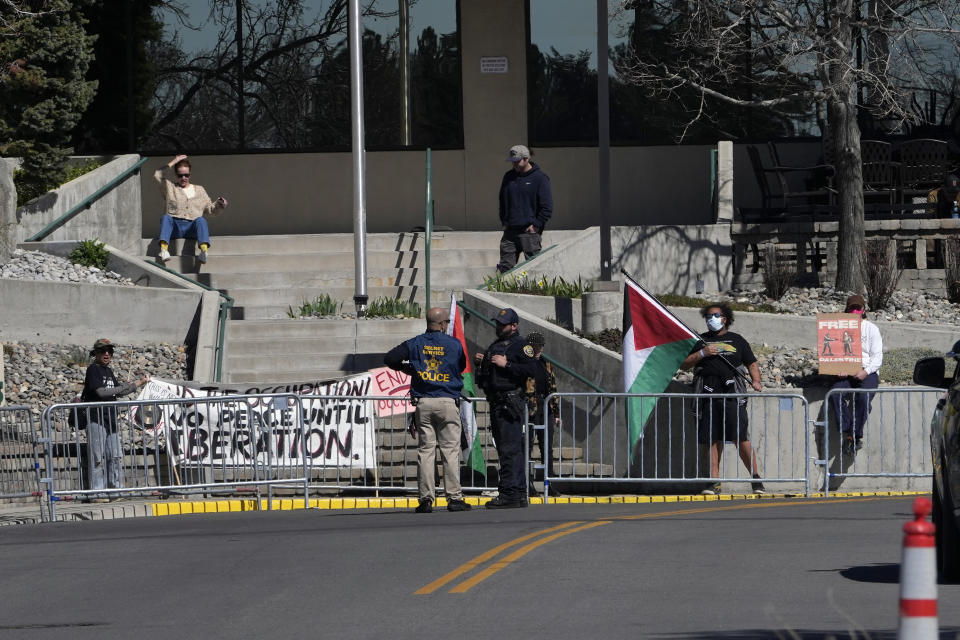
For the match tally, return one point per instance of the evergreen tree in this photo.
(45, 54)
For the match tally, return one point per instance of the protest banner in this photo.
(396, 384)
(334, 427)
(838, 343)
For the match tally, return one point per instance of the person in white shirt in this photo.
(851, 409)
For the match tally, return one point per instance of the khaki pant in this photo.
(438, 424)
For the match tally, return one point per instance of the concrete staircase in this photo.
(269, 275)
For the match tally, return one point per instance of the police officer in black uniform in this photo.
(502, 374)
(435, 362)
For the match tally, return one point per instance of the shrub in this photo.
(523, 283)
(75, 356)
(320, 306)
(779, 272)
(90, 253)
(882, 271)
(384, 307)
(951, 269)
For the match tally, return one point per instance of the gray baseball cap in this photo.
(518, 152)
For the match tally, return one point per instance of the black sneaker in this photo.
(859, 444)
(712, 490)
(458, 504)
(425, 506)
(501, 502)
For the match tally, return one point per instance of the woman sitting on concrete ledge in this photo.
(186, 206)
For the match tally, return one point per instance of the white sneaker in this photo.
(164, 255)
(202, 256)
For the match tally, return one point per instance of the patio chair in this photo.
(779, 189)
(879, 169)
(923, 164)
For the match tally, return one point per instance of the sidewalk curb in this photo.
(194, 507)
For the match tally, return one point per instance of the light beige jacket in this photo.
(176, 202)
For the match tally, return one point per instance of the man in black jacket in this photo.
(502, 373)
(526, 204)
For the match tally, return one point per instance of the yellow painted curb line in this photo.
(176, 508)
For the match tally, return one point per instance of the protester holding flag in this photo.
(716, 367)
(434, 362)
(503, 372)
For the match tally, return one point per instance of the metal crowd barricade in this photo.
(591, 446)
(895, 443)
(20, 446)
(245, 444)
(393, 469)
(174, 446)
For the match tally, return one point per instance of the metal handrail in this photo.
(226, 303)
(552, 361)
(84, 204)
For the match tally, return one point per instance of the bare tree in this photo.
(286, 46)
(856, 57)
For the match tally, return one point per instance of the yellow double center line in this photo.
(487, 555)
(572, 527)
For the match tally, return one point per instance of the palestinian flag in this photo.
(468, 419)
(655, 342)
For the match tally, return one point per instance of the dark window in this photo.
(293, 58)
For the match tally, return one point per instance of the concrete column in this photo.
(602, 308)
(494, 104)
(725, 181)
(204, 364)
(920, 248)
(8, 211)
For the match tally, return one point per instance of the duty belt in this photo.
(503, 396)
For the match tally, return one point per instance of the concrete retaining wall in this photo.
(114, 219)
(164, 308)
(665, 259)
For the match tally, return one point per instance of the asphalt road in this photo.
(738, 569)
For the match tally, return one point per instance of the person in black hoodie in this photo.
(526, 204)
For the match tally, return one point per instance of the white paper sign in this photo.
(493, 64)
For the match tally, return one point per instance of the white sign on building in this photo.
(493, 64)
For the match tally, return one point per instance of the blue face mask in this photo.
(714, 324)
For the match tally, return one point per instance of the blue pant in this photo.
(180, 228)
(508, 436)
(852, 409)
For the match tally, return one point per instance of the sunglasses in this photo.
(714, 315)
(183, 175)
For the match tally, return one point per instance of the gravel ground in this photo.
(905, 306)
(39, 375)
(36, 265)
